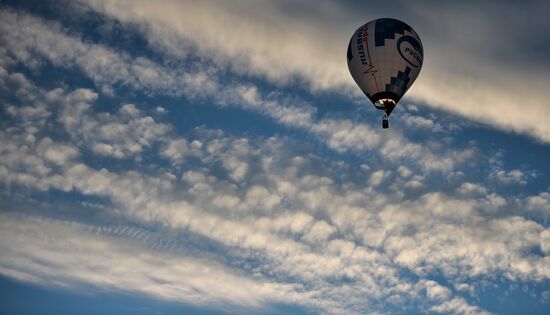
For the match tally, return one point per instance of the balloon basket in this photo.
(385, 122)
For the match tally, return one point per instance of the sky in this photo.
(216, 157)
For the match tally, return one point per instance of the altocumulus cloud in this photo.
(108, 68)
(472, 62)
(239, 221)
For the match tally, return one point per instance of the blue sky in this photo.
(217, 158)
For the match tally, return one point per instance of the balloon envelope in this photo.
(384, 58)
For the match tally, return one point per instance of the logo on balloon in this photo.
(410, 49)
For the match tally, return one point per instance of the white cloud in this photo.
(464, 287)
(542, 201)
(510, 177)
(420, 122)
(435, 291)
(324, 197)
(377, 177)
(545, 241)
(479, 87)
(414, 235)
(414, 184)
(297, 217)
(122, 140)
(120, 135)
(247, 46)
(257, 221)
(320, 231)
(176, 150)
(539, 205)
(471, 189)
(69, 255)
(57, 153)
(258, 197)
(25, 36)
(458, 306)
(493, 202)
(404, 171)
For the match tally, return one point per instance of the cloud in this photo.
(510, 177)
(539, 204)
(506, 177)
(420, 122)
(434, 291)
(289, 212)
(113, 139)
(470, 188)
(273, 221)
(257, 27)
(457, 306)
(456, 78)
(26, 37)
(120, 135)
(377, 177)
(258, 222)
(177, 149)
(70, 255)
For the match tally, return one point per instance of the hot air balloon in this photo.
(384, 59)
